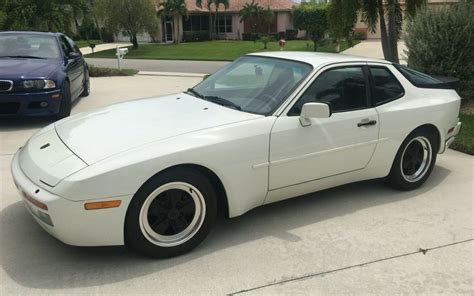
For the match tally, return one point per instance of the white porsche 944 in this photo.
(154, 173)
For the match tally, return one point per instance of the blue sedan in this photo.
(41, 74)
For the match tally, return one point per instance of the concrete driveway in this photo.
(373, 49)
(357, 239)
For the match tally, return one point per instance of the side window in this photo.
(343, 89)
(73, 45)
(385, 86)
(65, 45)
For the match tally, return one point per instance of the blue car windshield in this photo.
(253, 84)
(28, 46)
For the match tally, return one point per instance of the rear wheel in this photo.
(415, 160)
(171, 214)
(65, 107)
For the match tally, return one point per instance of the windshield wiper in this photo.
(222, 102)
(23, 57)
(215, 99)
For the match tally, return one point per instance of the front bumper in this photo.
(68, 220)
(451, 137)
(30, 104)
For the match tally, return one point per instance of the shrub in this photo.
(106, 72)
(249, 36)
(291, 34)
(195, 36)
(441, 42)
(359, 35)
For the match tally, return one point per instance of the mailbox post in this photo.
(121, 52)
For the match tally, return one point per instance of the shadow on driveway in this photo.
(34, 259)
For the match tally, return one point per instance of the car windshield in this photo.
(28, 46)
(253, 84)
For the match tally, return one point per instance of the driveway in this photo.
(356, 239)
(373, 49)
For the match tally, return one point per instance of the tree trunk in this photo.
(215, 21)
(98, 27)
(315, 42)
(134, 40)
(176, 28)
(210, 20)
(383, 31)
(392, 32)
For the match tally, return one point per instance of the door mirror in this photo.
(73, 55)
(314, 110)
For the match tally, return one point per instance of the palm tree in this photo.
(249, 12)
(374, 11)
(174, 9)
(217, 3)
(209, 3)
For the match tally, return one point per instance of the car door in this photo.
(342, 143)
(74, 67)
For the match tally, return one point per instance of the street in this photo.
(362, 238)
(201, 67)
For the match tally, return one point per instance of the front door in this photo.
(168, 31)
(342, 143)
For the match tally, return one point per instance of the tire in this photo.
(171, 214)
(414, 161)
(86, 85)
(65, 107)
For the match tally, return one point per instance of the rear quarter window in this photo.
(385, 86)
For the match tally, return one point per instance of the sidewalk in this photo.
(373, 49)
(102, 47)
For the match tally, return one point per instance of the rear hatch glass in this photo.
(423, 80)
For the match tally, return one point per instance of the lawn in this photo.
(85, 43)
(212, 50)
(465, 140)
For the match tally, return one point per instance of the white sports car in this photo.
(154, 173)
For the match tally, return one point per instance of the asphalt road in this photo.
(201, 67)
(361, 238)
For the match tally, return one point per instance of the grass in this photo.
(85, 43)
(212, 50)
(465, 140)
(106, 72)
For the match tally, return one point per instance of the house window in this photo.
(196, 23)
(224, 24)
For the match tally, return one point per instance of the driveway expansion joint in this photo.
(312, 275)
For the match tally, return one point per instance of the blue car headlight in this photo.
(37, 84)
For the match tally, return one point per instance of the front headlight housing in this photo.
(37, 84)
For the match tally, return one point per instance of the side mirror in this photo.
(73, 55)
(314, 110)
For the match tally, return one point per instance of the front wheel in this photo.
(86, 85)
(414, 161)
(171, 214)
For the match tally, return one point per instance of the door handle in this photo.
(366, 122)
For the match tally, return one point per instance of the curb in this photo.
(175, 74)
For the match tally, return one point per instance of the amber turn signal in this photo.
(102, 205)
(36, 203)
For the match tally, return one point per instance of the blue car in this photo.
(41, 74)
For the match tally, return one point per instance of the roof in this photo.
(30, 32)
(316, 59)
(236, 5)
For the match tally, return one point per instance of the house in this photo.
(228, 24)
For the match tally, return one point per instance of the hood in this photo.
(104, 132)
(27, 68)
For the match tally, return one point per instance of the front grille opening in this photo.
(9, 108)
